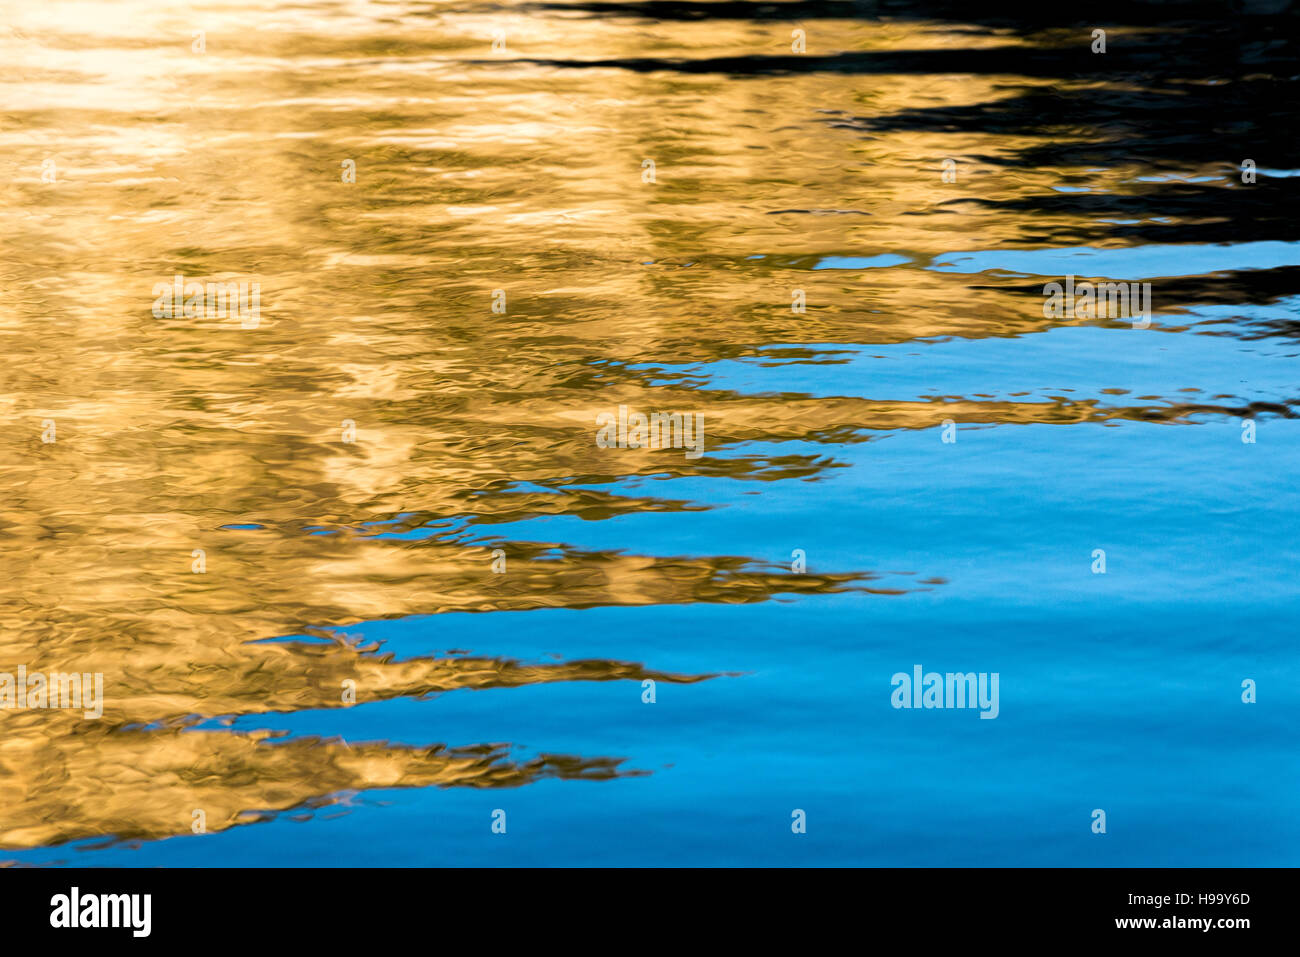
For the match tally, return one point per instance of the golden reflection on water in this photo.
(476, 171)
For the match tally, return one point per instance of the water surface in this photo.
(513, 174)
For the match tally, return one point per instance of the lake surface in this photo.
(365, 583)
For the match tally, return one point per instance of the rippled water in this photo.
(231, 521)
